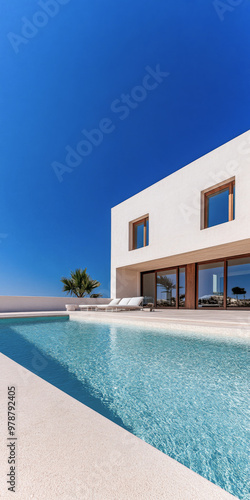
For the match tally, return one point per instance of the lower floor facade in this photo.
(221, 284)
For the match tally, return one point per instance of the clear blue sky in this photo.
(69, 73)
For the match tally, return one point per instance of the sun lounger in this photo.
(114, 305)
(133, 304)
(87, 307)
(106, 307)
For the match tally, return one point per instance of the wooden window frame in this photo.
(224, 260)
(172, 268)
(224, 266)
(135, 224)
(228, 185)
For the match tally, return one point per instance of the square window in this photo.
(219, 204)
(140, 233)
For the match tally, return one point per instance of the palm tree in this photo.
(168, 284)
(80, 284)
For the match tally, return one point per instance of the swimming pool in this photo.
(184, 394)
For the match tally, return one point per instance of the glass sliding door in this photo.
(238, 282)
(148, 288)
(166, 284)
(166, 288)
(182, 286)
(211, 285)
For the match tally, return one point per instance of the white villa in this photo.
(184, 242)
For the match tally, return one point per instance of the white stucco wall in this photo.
(174, 208)
(29, 304)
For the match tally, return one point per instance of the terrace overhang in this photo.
(236, 248)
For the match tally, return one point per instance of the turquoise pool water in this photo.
(185, 395)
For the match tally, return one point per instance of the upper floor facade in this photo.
(197, 214)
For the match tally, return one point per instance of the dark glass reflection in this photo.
(211, 285)
(141, 229)
(238, 282)
(166, 288)
(139, 235)
(234, 202)
(218, 204)
(182, 286)
(148, 288)
(147, 232)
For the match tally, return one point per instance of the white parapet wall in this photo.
(30, 304)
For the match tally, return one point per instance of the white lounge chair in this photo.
(106, 307)
(133, 304)
(120, 303)
(87, 307)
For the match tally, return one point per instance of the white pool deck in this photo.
(66, 450)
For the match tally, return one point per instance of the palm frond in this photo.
(80, 283)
